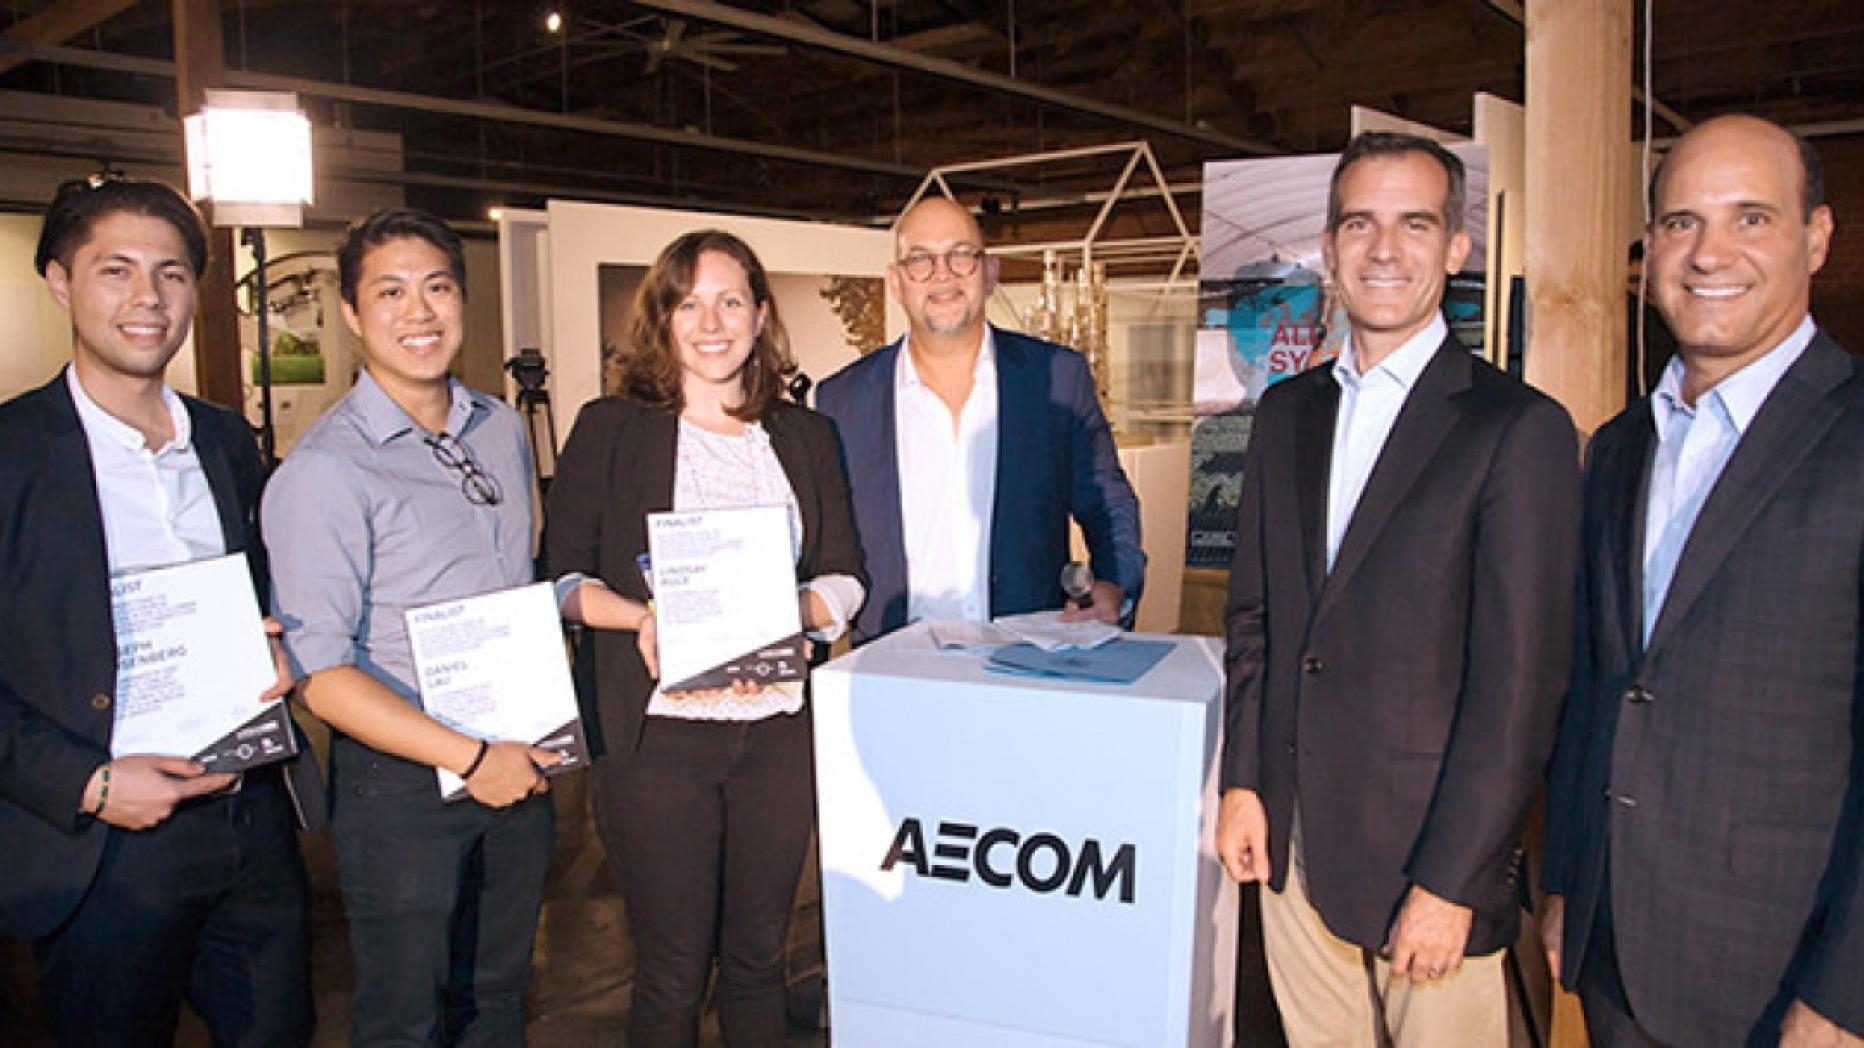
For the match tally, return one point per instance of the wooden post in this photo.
(200, 63)
(1579, 196)
(1579, 186)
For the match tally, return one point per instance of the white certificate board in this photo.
(494, 667)
(725, 602)
(192, 661)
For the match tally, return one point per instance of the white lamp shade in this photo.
(249, 155)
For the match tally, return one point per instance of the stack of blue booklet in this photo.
(1120, 661)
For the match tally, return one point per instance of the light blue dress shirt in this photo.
(1694, 443)
(1369, 406)
(364, 523)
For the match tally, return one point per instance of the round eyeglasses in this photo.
(479, 487)
(960, 262)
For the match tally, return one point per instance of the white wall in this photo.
(584, 236)
(35, 340)
(35, 334)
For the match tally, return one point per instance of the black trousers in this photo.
(707, 825)
(207, 907)
(442, 900)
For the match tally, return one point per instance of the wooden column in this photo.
(1579, 199)
(1580, 203)
(200, 63)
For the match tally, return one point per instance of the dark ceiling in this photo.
(765, 123)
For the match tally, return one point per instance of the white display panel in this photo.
(1051, 879)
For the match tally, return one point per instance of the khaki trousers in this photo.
(1333, 994)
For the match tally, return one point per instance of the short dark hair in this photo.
(396, 223)
(650, 367)
(1811, 189)
(1369, 144)
(80, 202)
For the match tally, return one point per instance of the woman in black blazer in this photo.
(704, 800)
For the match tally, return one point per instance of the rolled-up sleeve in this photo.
(316, 523)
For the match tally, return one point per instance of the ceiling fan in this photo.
(712, 48)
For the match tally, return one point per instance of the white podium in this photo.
(1009, 861)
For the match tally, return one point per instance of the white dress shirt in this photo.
(1369, 406)
(157, 506)
(948, 488)
(1694, 443)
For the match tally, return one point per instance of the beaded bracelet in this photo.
(476, 761)
(103, 789)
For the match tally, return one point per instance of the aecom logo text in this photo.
(1003, 858)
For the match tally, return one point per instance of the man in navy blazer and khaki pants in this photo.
(1705, 820)
(1399, 614)
(969, 449)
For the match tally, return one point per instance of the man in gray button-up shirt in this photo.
(411, 490)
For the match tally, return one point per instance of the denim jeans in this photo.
(207, 907)
(442, 900)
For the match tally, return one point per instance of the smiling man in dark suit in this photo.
(969, 449)
(1704, 841)
(1398, 621)
(141, 880)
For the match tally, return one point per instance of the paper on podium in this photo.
(1047, 631)
(725, 601)
(192, 661)
(1119, 662)
(967, 635)
(493, 667)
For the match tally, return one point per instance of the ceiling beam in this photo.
(496, 112)
(460, 107)
(900, 58)
(59, 23)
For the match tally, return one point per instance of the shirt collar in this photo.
(383, 420)
(1741, 394)
(99, 422)
(906, 375)
(1403, 365)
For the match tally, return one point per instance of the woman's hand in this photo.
(738, 687)
(647, 637)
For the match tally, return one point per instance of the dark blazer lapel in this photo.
(1019, 385)
(659, 443)
(872, 452)
(787, 443)
(1428, 415)
(214, 462)
(69, 462)
(1783, 433)
(1315, 415)
(1629, 483)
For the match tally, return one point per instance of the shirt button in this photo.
(1637, 696)
(1310, 664)
(100, 701)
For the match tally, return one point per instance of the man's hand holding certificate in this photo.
(493, 667)
(193, 666)
(725, 599)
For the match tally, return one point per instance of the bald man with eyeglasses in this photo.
(970, 448)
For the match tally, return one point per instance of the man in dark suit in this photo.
(141, 880)
(1705, 837)
(970, 448)
(1398, 632)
